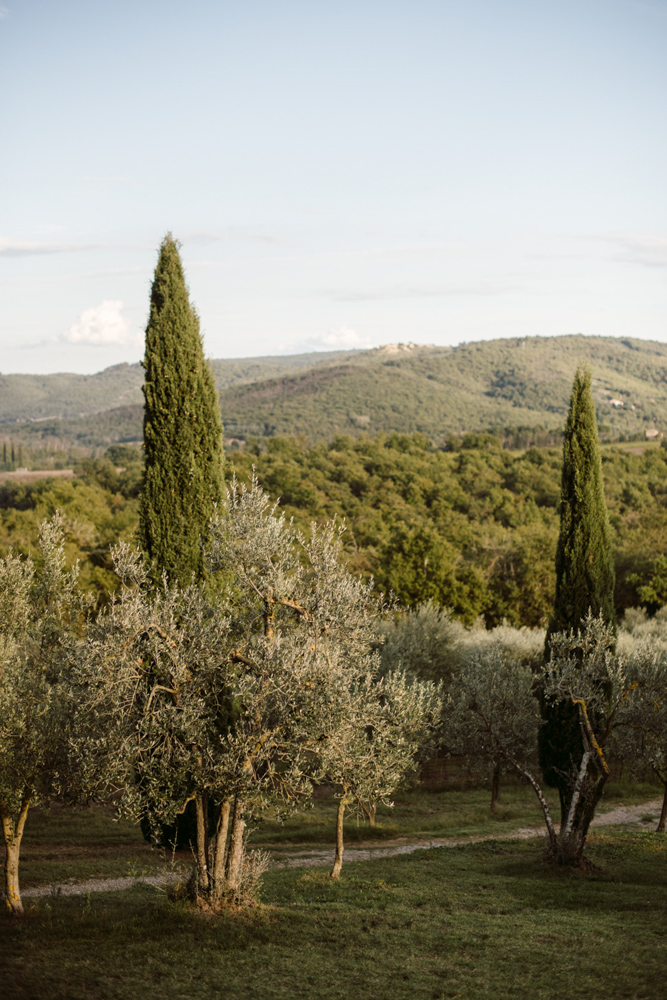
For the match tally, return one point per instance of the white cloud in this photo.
(4, 12)
(102, 326)
(24, 248)
(344, 337)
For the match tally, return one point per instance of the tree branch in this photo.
(235, 657)
(600, 757)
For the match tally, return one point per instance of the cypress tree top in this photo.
(183, 477)
(584, 562)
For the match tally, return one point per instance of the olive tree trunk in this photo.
(338, 860)
(13, 833)
(235, 857)
(585, 796)
(218, 863)
(203, 881)
(370, 809)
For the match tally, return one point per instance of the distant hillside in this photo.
(44, 397)
(63, 396)
(438, 391)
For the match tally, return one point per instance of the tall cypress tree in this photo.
(584, 573)
(183, 477)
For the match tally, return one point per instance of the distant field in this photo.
(25, 476)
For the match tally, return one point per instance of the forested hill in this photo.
(439, 391)
(66, 396)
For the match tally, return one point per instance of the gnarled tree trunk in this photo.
(235, 857)
(370, 810)
(572, 836)
(584, 795)
(13, 833)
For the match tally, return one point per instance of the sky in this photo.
(340, 175)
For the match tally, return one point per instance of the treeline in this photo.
(473, 529)
(11, 455)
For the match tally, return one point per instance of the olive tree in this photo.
(430, 643)
(426, 640)
(189, 718)
(381, 729)
(290, 588)
(41, 613)
(494, 715)
(641, 736)
(491, 717)
(229, 700)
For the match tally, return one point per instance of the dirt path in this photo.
(616, 817)
(315, 857)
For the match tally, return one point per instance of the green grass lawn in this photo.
(483, 920)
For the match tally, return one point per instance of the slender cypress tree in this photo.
(584, 574)
(183, 477)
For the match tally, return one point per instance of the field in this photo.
(487, 919)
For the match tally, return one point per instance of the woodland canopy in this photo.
(473, 527)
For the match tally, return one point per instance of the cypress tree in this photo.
(183, 475)
(584, 573)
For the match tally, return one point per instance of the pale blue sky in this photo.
(340, 174)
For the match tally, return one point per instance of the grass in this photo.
(420, 814)
(482, 921)
(63, 845)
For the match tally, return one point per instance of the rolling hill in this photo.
(64, 396)
(439, 391)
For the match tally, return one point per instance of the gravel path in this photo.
(311, 858)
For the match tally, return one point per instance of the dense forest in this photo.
(472, 526)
